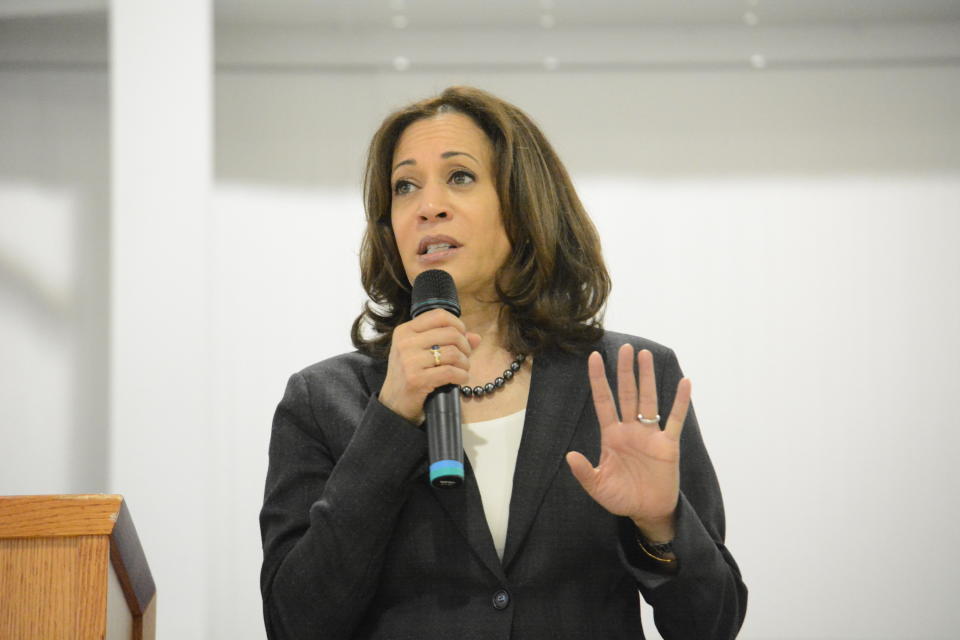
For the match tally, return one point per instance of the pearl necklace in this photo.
(490, 387)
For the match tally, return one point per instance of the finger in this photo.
(449, 355)
(437, 318)
(626, 383)
(648, 384)
(473, 339)
(443, 336)
(602, 398)
(678, 414)
(582, 470)
(444, 374)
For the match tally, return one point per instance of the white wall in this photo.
(54, 257)
(789, 233)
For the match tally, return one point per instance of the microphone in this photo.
(435, 289)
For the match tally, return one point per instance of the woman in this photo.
(537, 543)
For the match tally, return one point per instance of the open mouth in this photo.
(434, 245)
(437, 248)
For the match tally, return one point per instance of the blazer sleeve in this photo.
(706, 598)
(327, 519)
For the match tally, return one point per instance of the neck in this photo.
(483, 318)
(491, 357)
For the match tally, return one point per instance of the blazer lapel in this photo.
(558, 390)
(465, 508)
(462, 504)
(374, 373)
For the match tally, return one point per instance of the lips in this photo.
(437, 256)
(432, 240)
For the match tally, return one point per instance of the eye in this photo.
(402, 187)
(462, 177)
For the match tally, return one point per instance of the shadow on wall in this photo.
(54, 278)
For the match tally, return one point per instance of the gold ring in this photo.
(435, 349)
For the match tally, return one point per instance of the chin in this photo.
(420, 268)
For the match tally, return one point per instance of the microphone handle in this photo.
(444, 437)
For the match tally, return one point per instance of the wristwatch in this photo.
(656, 550)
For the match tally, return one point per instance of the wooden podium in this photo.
(72, 567)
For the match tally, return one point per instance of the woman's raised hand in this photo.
(412, 370)
(639, 471)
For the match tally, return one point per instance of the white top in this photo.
(492, 447)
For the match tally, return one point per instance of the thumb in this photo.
(473, 339)
(582, 470)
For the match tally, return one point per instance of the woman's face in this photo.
(445, 210)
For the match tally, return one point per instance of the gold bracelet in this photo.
(650, 555)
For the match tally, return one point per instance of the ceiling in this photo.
(349, 15)
(580, 13)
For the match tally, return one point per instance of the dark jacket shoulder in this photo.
(345, 374)
(328, 398)
(668, 370)
(613, 340)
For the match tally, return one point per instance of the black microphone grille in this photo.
(434, 289)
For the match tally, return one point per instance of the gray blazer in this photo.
(358, 545)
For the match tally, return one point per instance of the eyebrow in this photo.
(444, 155)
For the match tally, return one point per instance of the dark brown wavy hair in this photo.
(554, 283)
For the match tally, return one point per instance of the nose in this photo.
(433, 207)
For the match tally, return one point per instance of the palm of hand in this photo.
(638, 474)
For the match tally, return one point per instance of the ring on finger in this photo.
(435, 350)
(643, 420)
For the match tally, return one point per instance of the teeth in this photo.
(432, 248)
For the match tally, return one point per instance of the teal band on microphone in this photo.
(446, 469)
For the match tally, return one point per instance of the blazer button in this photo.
(501, 599)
